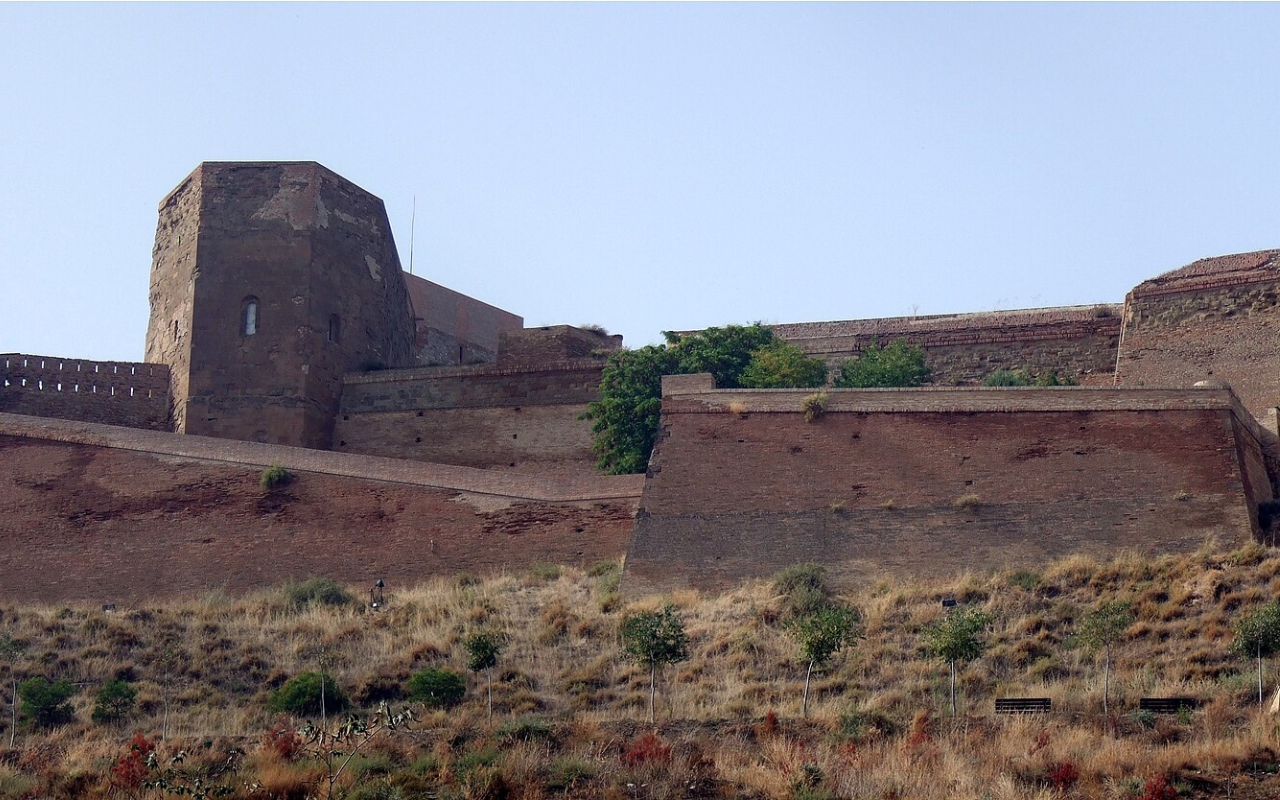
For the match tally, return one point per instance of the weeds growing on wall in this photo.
(275, 477)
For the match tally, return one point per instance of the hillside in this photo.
(570, 714)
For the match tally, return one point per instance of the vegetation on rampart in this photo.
(570, 709)
(625, 418)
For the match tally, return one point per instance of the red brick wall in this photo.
(112, 392)
(962, 349)
(454, 329)
(741, 485)
(523, 418)
(1176, 336)
(111, 515)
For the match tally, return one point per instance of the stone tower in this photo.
(269, 280)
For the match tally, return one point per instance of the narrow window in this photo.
(335, 328)
(250, 316)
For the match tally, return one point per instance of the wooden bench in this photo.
(1168, 705)
(1023, 705)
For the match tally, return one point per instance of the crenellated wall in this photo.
(112, 392)
(936, 481)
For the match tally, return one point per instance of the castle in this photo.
(433, 432)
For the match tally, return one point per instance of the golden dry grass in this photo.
(877, 726)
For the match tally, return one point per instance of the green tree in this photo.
(820, 635)
(114, 702)
(782, 365)
(46, 704)
(309, 693)
(483, 649)
(1098, 631)
(654, 639)
(955, 639)
(625, 418)
(897, 365)
(1258, 635)
(1023, 377)
(437, 688)
(10, 651)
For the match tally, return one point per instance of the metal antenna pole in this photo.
(413, 222)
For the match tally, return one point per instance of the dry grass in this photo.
(877, 724)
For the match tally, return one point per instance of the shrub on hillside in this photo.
(803, 588)
(46, 704)
(317, 592)
(114, 702)
(437, 688)
(302, 695)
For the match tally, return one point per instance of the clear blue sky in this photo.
(650, 167)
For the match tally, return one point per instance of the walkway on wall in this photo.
(253, 455)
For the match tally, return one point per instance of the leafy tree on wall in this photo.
(896, 365)
(625, 418)
(782, 365)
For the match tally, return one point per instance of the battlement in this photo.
(112, 392)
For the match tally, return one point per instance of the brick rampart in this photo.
(520, 418)
(938, 481)
(134, 395)
(1222, 328)
(127, 515)
(960, 349)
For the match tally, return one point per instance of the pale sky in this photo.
(653, 166)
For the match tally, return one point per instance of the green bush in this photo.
(859, 726)
(803, 588)
(525, 729)
(317, 592)
(301, 695)
(46, 704)
(274, 477)
(437, 688)
(896, 365)
(114, 702)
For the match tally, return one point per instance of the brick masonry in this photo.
(111, 392)
(962, 349)
(1216, 319)
(937, 481)
(514, 415)
(99, 513)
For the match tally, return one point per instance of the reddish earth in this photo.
(79, 522)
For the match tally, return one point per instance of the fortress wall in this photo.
(552, 344)
(131, 515)
(134, 395)
(454, 328)
(1226, 330)
(937, 481)
(523, 418)
(960, 349)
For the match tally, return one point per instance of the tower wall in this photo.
(314, 254)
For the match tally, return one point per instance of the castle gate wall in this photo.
(1226, 330)
(524, 418)
(962, 349)
(937, 481)
(127, 515)
(134, 395)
